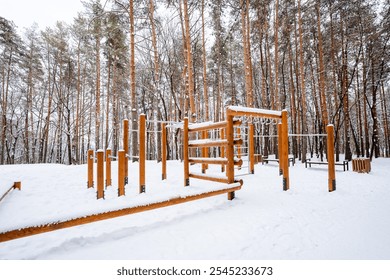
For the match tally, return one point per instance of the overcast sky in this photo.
(44, 12)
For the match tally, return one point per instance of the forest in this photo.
(67, 88)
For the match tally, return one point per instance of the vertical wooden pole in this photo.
(108, 168)
(331, 163)
(126, 147)
(100, 174)
(280, 148)
(230, 152)
(90, 161)
(142, 152)
(286, 180)
(251, 148)
(121, 172)
(18, 185)
(222, 149)
(185, 154)
(204, 152)
(164, 152)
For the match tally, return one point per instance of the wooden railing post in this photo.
(251, 148)
(126, 147)
(280, 148)
(331, 162)
(100, 174)
(108, 168)
(185, 154)
(121, 172)
(90, 161)
(222, 149)
(230, 153)
(284, 131)
(164, 152)
(142, 152)
(18, 185)
(205, 153)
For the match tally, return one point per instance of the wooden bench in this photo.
(344, 163)
(266, 160)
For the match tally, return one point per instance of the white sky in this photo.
(44, 12)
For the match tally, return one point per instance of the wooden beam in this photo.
(24, 232)
(126, 147)
(100, 174)
(142, 152)
(90, 161)
(209, 178)
(121, 172)
(108, 168)
(219, 160)
(212, 143)
(331, 161)
(251, 148)
(284, 159)
(210, 125)
(164, 152)
(185, 153)
(252, 112)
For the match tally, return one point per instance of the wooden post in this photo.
(108, 168)
(331, 163)
(284, 158)
(18, 185)
(205, 153)
(230, 153)
(185, 154)
(121, 172)
(126, 147)
(251, 148)
(142, 152)
(164, 152)
(222, 149)
(280, 148)
(90, 161)
(100, 174)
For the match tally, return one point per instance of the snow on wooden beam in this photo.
(24, 232)
(253, 112)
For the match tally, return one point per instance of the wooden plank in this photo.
(251, 148)
(24, 232)
(209, 178)
(252, 112)
(205, 152)
(212, 143)
(219, 160)
(210, 125)
(126, 147)
(223, 152)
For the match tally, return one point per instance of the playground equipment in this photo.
(228, 143)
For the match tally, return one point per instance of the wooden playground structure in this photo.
(228, 144)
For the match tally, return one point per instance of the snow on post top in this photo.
(255, 111)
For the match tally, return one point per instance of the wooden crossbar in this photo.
(24, 232)
(209, 178)
(211, 125)
(212, 143)
(218, 161)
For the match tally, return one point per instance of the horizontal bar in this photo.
(24, 232)
(209, 178)
(212, 143)
(210, 125)
(237, 161)
(253, 112)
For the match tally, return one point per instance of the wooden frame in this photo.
(331, 161)
(251, 148)
(126, 147)
(24, 232)
(121, 172)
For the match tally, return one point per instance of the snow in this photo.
(262, 222)
(255, 111)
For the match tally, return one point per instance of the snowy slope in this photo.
(263, 222)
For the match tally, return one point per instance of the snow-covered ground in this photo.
(263, 222)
